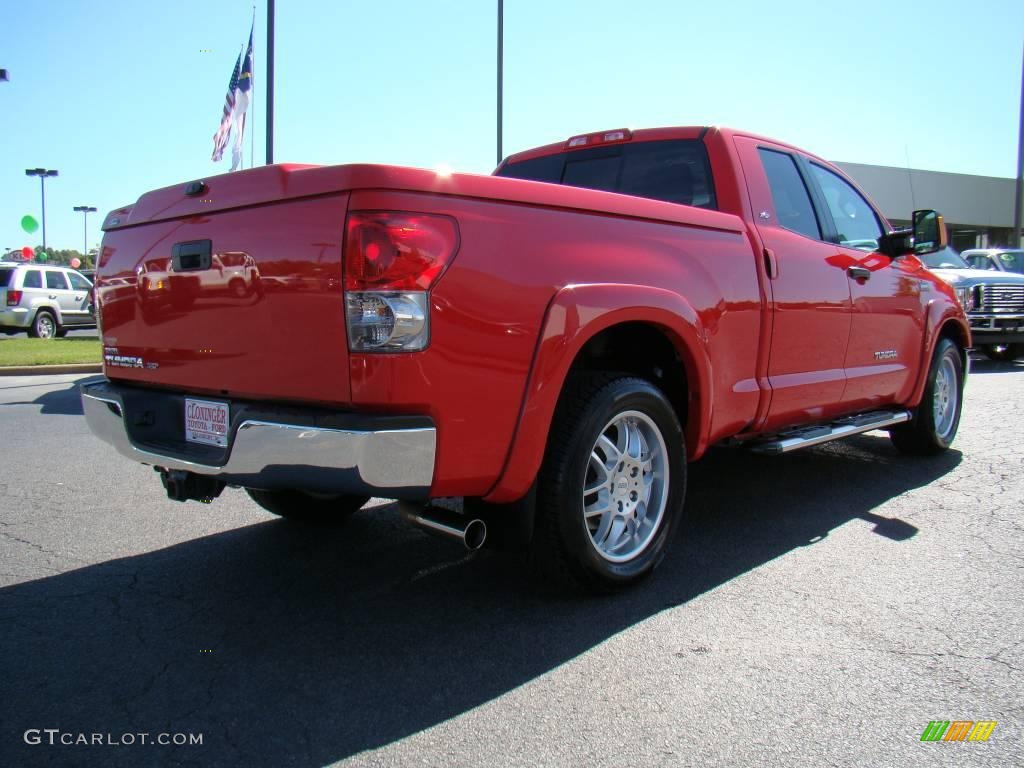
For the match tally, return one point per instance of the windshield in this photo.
(1012, 261)
(947, 258)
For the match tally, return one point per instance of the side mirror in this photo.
(929, 232)
(928, 235)
(897, 243)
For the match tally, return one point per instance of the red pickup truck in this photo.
(552, 343)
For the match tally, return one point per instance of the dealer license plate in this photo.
(206, 422)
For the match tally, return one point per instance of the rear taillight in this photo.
(13, 298)
(391, 261)
(388, 250)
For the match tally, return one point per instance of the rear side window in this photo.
(789, 194)
(56, 281)
(33, 279)
(673, 171)
(5, 277)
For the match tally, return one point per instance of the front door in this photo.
(81, 298)
(888, 316)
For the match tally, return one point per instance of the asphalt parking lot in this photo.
(819, 609)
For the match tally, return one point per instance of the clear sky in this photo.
(123, 97)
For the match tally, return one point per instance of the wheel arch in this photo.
(585, 328)
(943, 322)
(52, 309)
(959, 334)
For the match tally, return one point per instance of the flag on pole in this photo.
(243, 91)
(220, 139)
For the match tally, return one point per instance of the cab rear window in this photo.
(674, 171)
(5, 277)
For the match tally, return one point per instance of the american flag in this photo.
(220, 139)
(242, 98)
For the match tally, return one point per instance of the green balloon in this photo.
(29, 224)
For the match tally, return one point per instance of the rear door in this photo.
(810, 292)
(58, 292)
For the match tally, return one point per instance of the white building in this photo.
(978, 209)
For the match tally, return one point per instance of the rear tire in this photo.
(307, 507)
(1003, 352)
(936, 419)
(610, 491)
(238, 288)
(44, 325)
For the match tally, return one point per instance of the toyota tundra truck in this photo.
(551, 344)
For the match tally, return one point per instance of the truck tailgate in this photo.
(242, 301)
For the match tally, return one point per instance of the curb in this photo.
(50, 370)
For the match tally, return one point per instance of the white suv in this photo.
(43, 300)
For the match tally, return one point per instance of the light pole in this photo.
(42, 173)
(501, 66)
(86, 210)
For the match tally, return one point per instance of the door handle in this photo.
(859, 273)
(52, 296)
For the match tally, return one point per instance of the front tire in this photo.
(308, 507)
(1003, 352)
(44, 325)
(610, 491)
(936, 419)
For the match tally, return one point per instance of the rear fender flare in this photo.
(575, 315)
(53, 309)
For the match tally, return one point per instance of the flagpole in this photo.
(252, 101)
(270, 82)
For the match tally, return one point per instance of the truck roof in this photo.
(653, 134)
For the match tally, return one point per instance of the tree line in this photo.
(61, 256)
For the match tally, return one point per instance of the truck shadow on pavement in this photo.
(54, 402)
(289, 645)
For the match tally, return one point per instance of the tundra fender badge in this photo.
(886, 354)
(195, 188)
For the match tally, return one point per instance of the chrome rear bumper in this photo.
(268, 454)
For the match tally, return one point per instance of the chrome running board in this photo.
(802, 437)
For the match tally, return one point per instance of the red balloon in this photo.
(27, 253)
(76, 263)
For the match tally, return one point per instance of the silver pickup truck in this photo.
(993, 301)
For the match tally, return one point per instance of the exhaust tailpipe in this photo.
(472, 532)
